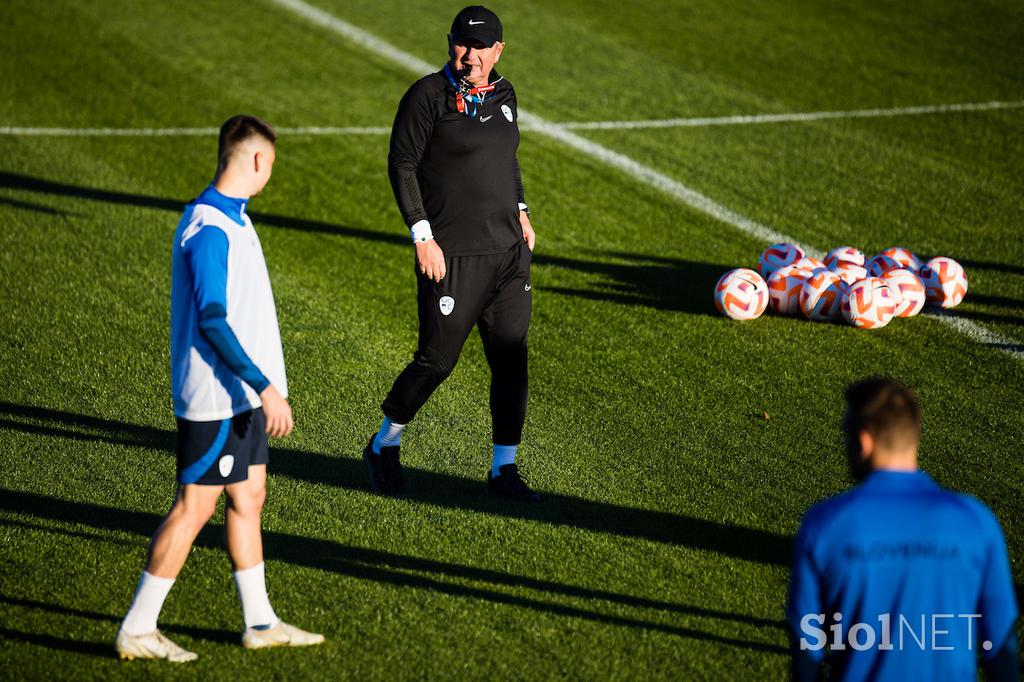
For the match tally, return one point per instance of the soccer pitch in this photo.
(676, 449)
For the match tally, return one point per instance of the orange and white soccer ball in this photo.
(810, 263)
(846, 254)
(776, 256)
(850, 271)
(945, 282)
(881, 264)
(908, 289)
(784, 289)
(904, 257)
(868, 304)
(821, 295)
(741, 294)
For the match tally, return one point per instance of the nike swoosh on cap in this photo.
(474, 23)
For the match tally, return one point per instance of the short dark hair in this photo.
(886, 409)
(238, 129)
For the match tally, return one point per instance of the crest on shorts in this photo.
(507, 110)
(226, 464)
(447, 305)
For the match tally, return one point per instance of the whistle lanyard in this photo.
(466, 99)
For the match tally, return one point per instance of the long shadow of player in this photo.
(636, 279)
(381, 567)
(53, 642)
(990, 265)
(442, 490)
(223, 636)
(633, 279)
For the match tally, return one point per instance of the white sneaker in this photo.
(150, 645)
(281, 634)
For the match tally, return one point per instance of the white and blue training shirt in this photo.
(225, 342)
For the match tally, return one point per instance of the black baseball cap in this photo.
(476, 22)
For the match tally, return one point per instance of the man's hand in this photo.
(431, 259)
(528, 234)
(278, 413)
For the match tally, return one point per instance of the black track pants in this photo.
(493, 293)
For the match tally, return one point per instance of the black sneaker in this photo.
(385, 470)
(510, 485)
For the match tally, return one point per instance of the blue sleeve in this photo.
(997, 603)
(207, 256)
(805, 597)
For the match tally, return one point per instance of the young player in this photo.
(229, 388)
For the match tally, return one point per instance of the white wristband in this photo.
(420, 231)
(523, 207)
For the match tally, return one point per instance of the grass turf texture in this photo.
(662, 548)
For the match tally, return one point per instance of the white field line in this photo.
(979, 333)
(660, 181)
(791, 117)
(564, 134)
(703, 122)
(650, 176)
(180, 132)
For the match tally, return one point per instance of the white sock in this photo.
(390, 434)
(503, 454)
(252, 590)
(145, 608)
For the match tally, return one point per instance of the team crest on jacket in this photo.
(447, 305)
(226, 464)
(507, 110)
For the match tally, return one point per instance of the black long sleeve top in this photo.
(458, 172)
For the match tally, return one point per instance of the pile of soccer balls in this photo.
(865, 293)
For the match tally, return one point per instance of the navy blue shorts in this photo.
(221, 452)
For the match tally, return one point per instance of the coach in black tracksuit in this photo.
(454, 172)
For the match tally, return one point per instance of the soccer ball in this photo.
(881, 264)
(850, 271)
(777, 255)
(868, 304)
(784, 289)
(904, 257)
(945, 282)
(741, 294)
(846, 254)
(908, 289)
(810, 264)
(821, 295)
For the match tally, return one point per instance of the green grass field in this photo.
(661, 550)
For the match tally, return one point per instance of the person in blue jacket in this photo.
(898, 578)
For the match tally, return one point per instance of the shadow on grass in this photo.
(28, 206)
(663, 283)
(51, 642)
(996, 301)
(652, 281)
(1008, 347)
(376, 566)
(40, 186)
(222, 636)
(988, 265)
(442, 490)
